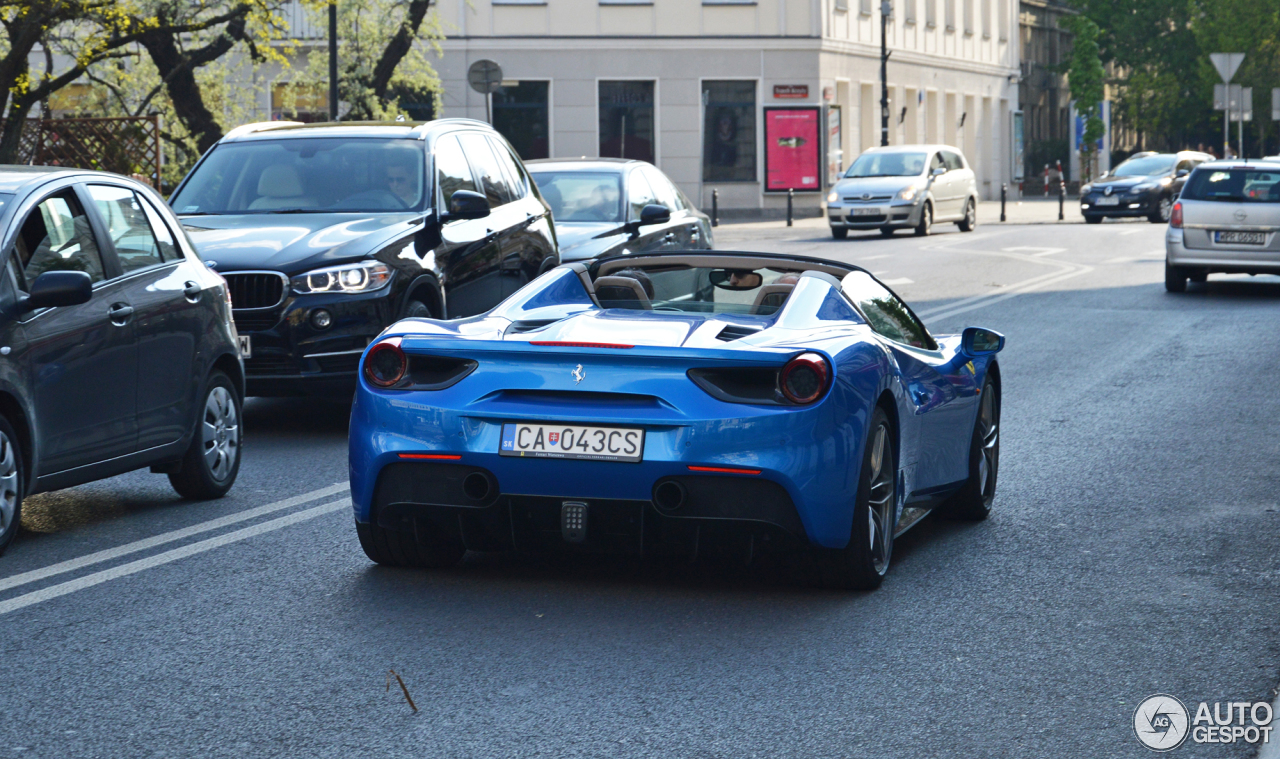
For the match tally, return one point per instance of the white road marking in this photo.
(874, 258)
(133, 567)
(1131, 231)
(1034, 251)
(168, 537)
(898, 281)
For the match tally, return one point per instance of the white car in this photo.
(904, 187)
(1227, 219)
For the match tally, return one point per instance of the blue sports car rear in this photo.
(675, 403)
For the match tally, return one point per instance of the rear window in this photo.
(1233, 185)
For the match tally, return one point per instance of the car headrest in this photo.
(622, 289)
(279, 181)
(772, 297)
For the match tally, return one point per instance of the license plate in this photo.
(1108, 201)
(1241, 238)
(246, 346)
(571, 441)
(866, 212)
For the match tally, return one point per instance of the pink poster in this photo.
(791, 149)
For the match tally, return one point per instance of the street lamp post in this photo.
(886, 8)
(333, 61)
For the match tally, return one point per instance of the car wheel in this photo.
(887, 231)
(1175, 278)
(416, 309)
(11, 484)
(839, 233)
(1163, 209)
(423, 548)
(210, 465)
(862, 564)
(973, 502)
(926, 221)
(1092, 219)
(970, 220)
(1199, 277)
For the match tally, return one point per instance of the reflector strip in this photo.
(723, 470)
(571, 344)
(445, 456)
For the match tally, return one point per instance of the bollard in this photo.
(1004, 195)
(790, 194)
(1062, 197)
(715, 208)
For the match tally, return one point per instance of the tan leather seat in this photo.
(772, 297)
(279, 186)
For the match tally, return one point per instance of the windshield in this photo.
(888, 165)
(582, 196)
(697, 290)
(1233, 185)
(5, 198)
(1152, 165)
(320, 175)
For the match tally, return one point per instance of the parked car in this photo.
(1147, 184)
(766, 403)
(328, 233)
(904, 187)
(117, 342)
(1226, 220)
(605, 205)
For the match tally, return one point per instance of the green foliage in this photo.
(1085, 75)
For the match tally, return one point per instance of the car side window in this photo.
(639, 193)
(662, 188)
(127, 224)
(1184, 165)
(954, 161)
(452, 169)
(56, 236)
(517, 180)
(887, 315)
(485, 164)
(169, 250)
(937, 163)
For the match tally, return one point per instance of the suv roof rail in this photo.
(259, 126)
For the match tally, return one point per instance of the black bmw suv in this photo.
(327, 233)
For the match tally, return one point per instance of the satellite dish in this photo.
(485, 76)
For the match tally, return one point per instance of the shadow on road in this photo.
(283, 417)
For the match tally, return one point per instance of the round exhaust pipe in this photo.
(476, 486)
(669, 495)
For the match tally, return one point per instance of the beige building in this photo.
(695, 86)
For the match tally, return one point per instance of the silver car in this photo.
(1227, 219)
(904, 187)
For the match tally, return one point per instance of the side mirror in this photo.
(977, 341)
(654, 214)
(465, 204)
(939, 171)
(58, 288)
(1182, 173)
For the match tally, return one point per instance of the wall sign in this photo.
(792, 149)
(791, 91)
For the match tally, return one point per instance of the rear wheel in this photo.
(973, 502)
(839, 232)
(970, 220)
(1175, 278)
(1162, 211)
(423, 547)
(862, 564)
(926, 221)
(887, 231)
(11, 484)
(1091, 219)
(1199, 276)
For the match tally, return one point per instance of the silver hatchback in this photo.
(904, 187)
(1227, 219)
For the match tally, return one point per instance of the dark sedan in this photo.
(603, 206)
(329, 233)
(1145, 185)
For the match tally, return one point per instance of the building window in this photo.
(931, 13)
(951, 15)
(986, 19)
(307, 103)
(864, 7)
(729, 131)
(841, 5)
(909, 12)
(520, 114)
(1002, 23)
(626, 120)
(968, 16)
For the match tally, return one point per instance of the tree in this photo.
(1085, 77)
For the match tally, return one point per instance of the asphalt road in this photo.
(1133, 551)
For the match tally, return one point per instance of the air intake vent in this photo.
(735, 332)
(529, 325)
(255, 289)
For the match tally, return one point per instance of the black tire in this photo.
(862, 564)
(926, 221)
(973, 502)
(1175, 278)
(1091, 219)
(1199, 277)
(423, 548)
(416, 309)
(970, 220)
(887, 231)
(839, 233)
(212, 461)
(1164, 208)
(12, 484)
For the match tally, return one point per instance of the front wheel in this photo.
(416, 309)
(212, 461)
(11, 484)
(839, 233)
(973, 502)
(1175, 278)
(1162, 211)
(970, 220)
(1092, 219)
(862, 564)
(926, 221)
(887, 231)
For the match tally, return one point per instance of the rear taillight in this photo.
(385, 364)
(1175, 218)
(804, 379)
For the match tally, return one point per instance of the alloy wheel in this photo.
(221, 433)
(989, 430)
(8, 483)
(1166, 209)
(880, 504)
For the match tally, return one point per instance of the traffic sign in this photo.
(1241, 103)
(1226, 64)
(1275, 104)
(484, 76)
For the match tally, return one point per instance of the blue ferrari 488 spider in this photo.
(681, 402)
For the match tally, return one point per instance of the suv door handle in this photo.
(192, 291)
(119, 313)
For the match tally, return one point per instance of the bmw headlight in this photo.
(349, 278)
(907, 193)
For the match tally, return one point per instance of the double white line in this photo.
(133, 567)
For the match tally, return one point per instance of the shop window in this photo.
(729, 131)
(626, 120)
(520, 115)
